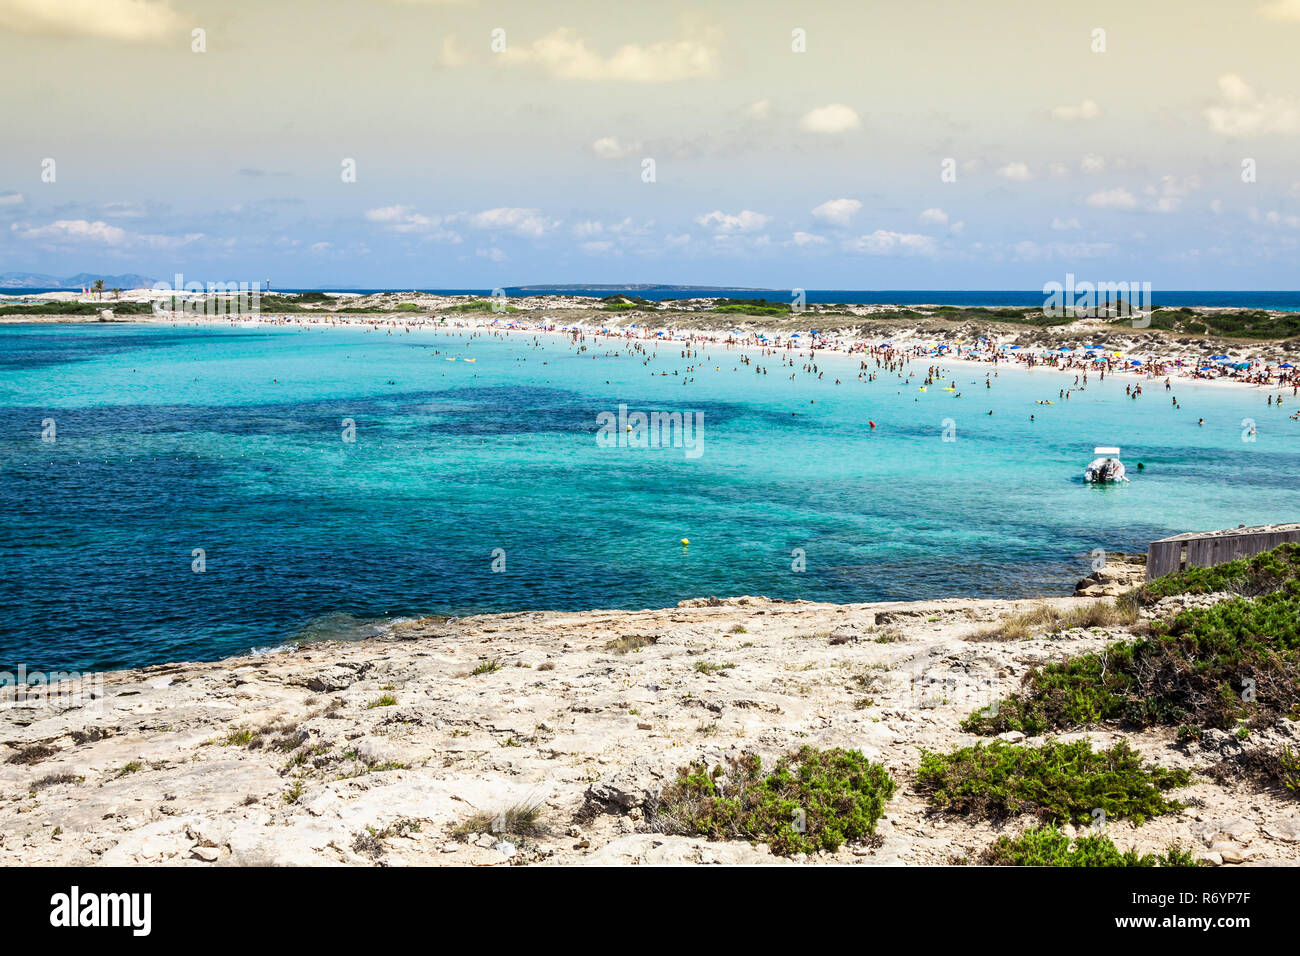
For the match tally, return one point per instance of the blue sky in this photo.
(792, 145)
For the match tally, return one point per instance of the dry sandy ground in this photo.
(154, 770)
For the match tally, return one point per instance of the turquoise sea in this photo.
(231, 440)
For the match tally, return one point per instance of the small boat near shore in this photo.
(1105, 468)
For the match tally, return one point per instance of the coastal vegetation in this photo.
(481, 305)
(752, 307)
(1048, 846)
(525, 819)
(76, 308)
(626, 303)
(1274, 770)
(1058, 782)
(32, 754)
(1260, 574)
(811, 800)
(1020, 316)
(1243, 324)
(1236, 662)
(1044, 618)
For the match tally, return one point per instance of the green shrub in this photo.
(1191, 671)
(1057, 782)
(480, 305)
(1258, 574)
(1048, 846)
(79, 308)
(811, 800)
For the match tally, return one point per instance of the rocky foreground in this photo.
(398, 749)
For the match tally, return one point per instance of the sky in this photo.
(872, 144)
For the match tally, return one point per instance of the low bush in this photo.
(1059, 782)
(811, 800)
(1048, 846)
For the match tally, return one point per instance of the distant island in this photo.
(82, 280)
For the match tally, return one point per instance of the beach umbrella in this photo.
(1134, 362)
(1218, 358)
(1064, 348)
(1286, 365)
(1013, 346)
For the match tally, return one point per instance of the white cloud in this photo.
(388, 214)
(79, 230)
(494, 254)
(1243, 112)
(320, 248)
(1063, 225)
(1017, 172)
(624, 228)
(564, 54)
(133, 20)
(528, 223)
(609, 147)
(1275, 218)
(839, 212)
(937, 216)
(101, 233)
(1117, 198)
(745, 221)
(403, 219)
(11, 198)
(1087, 110)
(807, 239)
(883, 242)
(759, 109)
(1173, 190)
(1280, 10)
(1092, 163)
(835, 118)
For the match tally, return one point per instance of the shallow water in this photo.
(231, 441)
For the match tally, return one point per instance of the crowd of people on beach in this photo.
(888, 355)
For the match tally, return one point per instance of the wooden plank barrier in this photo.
(1208, 548)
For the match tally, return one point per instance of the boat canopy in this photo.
(1105, 450)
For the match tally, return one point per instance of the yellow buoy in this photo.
(685, 542)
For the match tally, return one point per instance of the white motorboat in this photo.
(1106, 467)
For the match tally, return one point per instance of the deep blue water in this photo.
(230, 440)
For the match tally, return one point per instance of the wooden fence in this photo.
(1204, 549)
